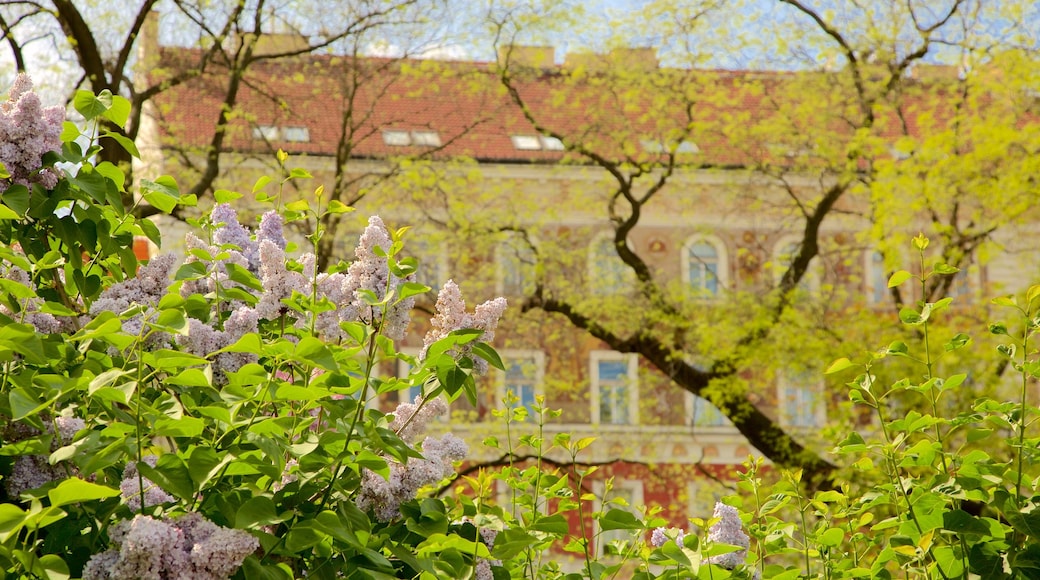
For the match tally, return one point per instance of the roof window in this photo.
(536, 143)
(296, 134)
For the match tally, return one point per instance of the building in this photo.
(436, 144)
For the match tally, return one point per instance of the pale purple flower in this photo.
(411, 419)
(230, 231)
(144, 289)
(371, 272)
(27, 131)
(186, 547)
(728, 530)
(451, 316)
(67, 427)
(271, 229)
(30, 472)
(278, 281)
(134, 487)
(384, 496)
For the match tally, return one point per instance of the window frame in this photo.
(790, 382)
(638, 495)
(632, 380)
(626, 277)
(721, 264)
(507, 253)
(538, 380)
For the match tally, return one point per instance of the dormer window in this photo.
(266, 133)
(426, 139)
(397, 138)
(296, 134)
(536, 143)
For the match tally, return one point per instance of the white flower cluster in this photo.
(410, 419)
(29, 308)
(27, 131)
(728, 530)
(186, 547)
(135, 487)
(659, 537)
(384, 496)
(451, 315)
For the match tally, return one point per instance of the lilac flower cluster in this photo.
(186, 547)
(410, 419)
(29, 312)
(136, 488)
(728, 530)
(451, 315)
(385, 496)
(482, 571)
(660, 536)
(29, 472)
(27, 131)
(145, 289)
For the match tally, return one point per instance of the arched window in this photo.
(786, 250)
(607, 273)
(704, 265)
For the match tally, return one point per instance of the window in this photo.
(786, 251)
(426, 139)
(701, 413)
(536, 143)
(799, 394)
(265, 133)
(625, 494)
(526, 142)
(432, 264)
(515, 261)
(397, 138)
(684, 146)
(523, 376)
(607, 273)
(705, 266)
(615, 397)
(877, 279)
(296, 134)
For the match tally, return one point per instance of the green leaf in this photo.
(118, 110)
(314, 351)
(337, 207)
(298, 205)
(488, 353)
(125, 142)
(91, 106)
(256, 512)
(619, 519)
(838, 366)
(554, 524)
(225, 196)
(162, 194)
(75, 490)
(261, 183)
(510, 542)
(12, 518)
(898, 278)
(179, 427)
(17, 198)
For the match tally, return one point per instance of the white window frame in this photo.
(426, 138)
(721, 263)
(635, 487)
(526, 142)
(632, 376)
(507, 254)
(875, 280)
(626, 277)
(296, 134)
(509, 355)
(266, 133)
(811, 279)
(396, 138)
(716, 420)
(811, 394)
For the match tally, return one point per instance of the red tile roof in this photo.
(734, 116)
